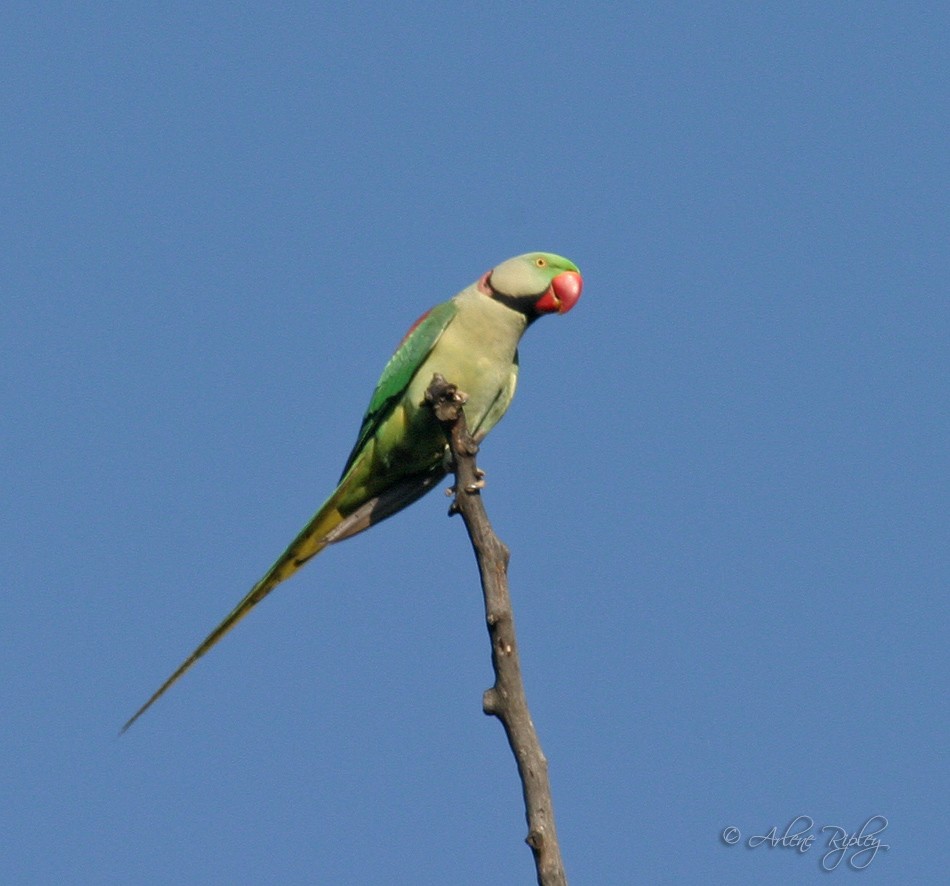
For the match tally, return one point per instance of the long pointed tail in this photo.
(310, 541)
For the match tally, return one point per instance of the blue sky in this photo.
(723, 479)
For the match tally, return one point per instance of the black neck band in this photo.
(520, 304)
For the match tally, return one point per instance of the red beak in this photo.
(562, 294)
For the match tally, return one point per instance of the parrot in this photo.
(401, 451)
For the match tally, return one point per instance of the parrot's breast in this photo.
(477, 353)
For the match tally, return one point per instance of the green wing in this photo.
(399, 371)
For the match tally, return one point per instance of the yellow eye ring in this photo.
(540, 262)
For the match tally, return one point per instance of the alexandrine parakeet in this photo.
(400, 451)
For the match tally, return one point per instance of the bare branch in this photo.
(506, 699)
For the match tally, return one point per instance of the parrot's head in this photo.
(535, 283)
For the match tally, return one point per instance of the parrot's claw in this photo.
(470, 489)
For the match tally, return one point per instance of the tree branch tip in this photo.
(445, 399)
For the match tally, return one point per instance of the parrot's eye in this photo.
(540, 262)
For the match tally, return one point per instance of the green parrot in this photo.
(401, 451)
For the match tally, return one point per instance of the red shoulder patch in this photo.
(413, 327)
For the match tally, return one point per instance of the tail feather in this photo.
(308, 543)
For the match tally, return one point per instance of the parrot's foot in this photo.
(479, 481)
(472, 487)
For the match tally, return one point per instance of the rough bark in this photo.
(506, 699)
